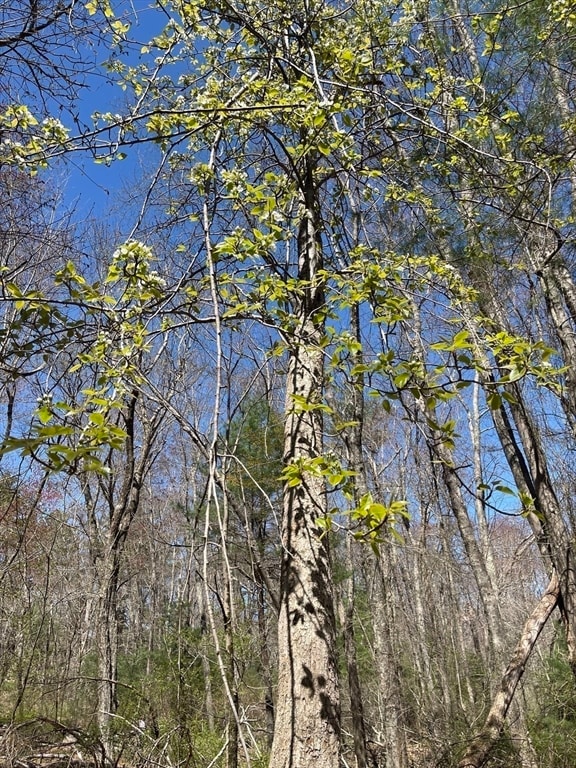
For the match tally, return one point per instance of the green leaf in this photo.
(96, 417)
(402, 379)
(504, 489)
(301, 404)
(44, 414)
(494, 400)
(55, 430)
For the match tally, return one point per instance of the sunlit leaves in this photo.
(518, 357)
(327, 467)
(107, 322)
(355, 97)
(515, 357)
(377, 520)
(563, 11)
(459, 342)
(302, 405)
(27, 142)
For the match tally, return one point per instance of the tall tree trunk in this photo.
(307, 728)
(353, 439)
(526, 457)
(264, 658)
(387, 664)
(107, 649)
(206, 669)
(417, 544)
(346, 616)
(558, 541)
(232, 727)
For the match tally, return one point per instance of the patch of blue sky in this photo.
(95, 181)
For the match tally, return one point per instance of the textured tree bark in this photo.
(555, 277)
(346, 618)
(354, 446)
(307, 710)
(307, 727)
(388, 671)
(107, 650)
(478, 751)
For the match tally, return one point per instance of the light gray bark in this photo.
(388, 671)
(307, 727)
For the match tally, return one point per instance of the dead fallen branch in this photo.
(478, 751)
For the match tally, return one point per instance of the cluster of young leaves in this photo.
(372, 520)
(378, 520)
(103, 328)
(27, 141)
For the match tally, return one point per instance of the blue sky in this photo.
(91, 188)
